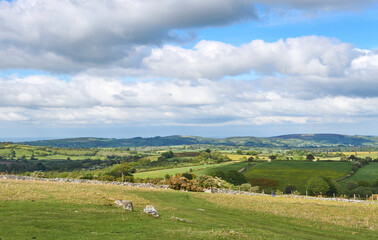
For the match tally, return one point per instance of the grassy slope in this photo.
(298, 173)
(50, 210)
(366, 173)
(224, 168)
(171, 171)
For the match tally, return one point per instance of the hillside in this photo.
(287, 141)
(57, 210)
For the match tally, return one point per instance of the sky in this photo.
(214, 68)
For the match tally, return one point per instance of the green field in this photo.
(366, 173)
(172, 171)
(298, 173)
(51, 210)
(224, 168)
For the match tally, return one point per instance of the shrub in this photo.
(245, 187)
(362, 191)
(352, 185)
(235, 177)
(209, 181)
(87, 176)
(317, 186)
(232, 176)
(179, 182)
(188, 175)
(290, 188)
(334, 187)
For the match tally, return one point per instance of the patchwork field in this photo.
(223, 167)
(174, 171)
(52, 210)
(298, 173)
(366, 173)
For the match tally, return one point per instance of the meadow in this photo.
(367, 173)
(53, 210)
(297, 173)
(174, 171)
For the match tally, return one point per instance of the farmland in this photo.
(85, 211)
(298, 173)
(367, 173)
(172, 171)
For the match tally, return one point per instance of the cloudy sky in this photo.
(126, 68)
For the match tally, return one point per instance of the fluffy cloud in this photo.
(96, 33)
(320, 4)
(88, 100)
(311, 55)
(76, 35)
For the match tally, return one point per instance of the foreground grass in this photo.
(51, 210)
(298, 173)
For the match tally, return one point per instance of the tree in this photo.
(317, 186)
(334, 187)
(167, 155)
(250, 159)
(310, 157)
(272, 157)
(122, 170)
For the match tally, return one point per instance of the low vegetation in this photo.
(56, 210)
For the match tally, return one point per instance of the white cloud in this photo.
(96, 33)
(76, 35)
(311, 55)
(321, 4)
(88, 100)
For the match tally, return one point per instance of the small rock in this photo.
(125, 204)
(118, 203)
(180, 219)
(151, 210)
(128, 205)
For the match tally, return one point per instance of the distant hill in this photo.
(289, 141)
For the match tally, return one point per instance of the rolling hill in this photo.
(286, 141)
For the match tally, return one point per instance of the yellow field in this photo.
(362, 154)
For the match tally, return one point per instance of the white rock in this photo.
(151, 210)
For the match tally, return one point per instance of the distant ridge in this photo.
(288, 141)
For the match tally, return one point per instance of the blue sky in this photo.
(208, 68)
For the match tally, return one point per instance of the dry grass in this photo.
(19, 190)
(358, 216)
(340, 213)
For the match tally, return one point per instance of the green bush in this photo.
(245, 187)
(362, 191)
(232, 176)
(87, 176)
(290, 188)
(334, 187)
(317, 186)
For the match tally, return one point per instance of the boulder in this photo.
(151, 210)
(128, 205)
(125, 204)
